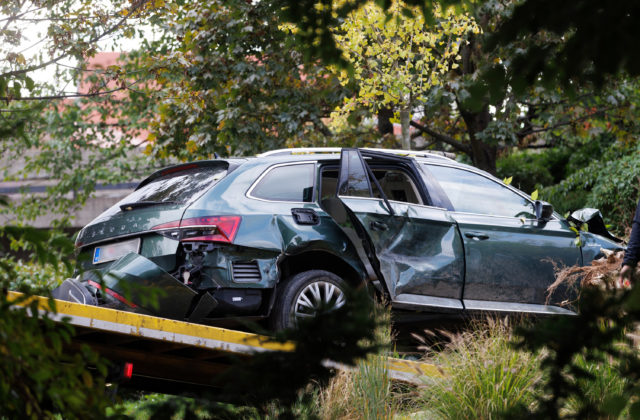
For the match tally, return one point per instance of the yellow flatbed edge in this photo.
(197, 335)
(157, 328)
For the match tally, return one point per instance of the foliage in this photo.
(597, 336)
(227, 78)
(397, 59)
(43, 131)
(530, 169)
(315, 18)
(367, 390)
(609, 184)
(63, 29)
(602, 383)
(591, 49)
(39, 378)
(483, 374)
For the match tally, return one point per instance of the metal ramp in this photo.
(167, 353)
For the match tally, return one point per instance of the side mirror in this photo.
(543, 210)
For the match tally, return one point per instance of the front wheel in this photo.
(304, 295)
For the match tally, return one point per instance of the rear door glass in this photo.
(291, 183)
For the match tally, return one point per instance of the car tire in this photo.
(301, 294)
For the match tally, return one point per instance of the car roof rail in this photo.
(319, 150)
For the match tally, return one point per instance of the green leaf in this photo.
(615, 404)
(29, 83)
(17, 87)
(634, 410)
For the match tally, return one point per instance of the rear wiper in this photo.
(139, 204)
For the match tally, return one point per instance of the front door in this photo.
(510, 256)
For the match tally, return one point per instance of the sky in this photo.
(34, 34)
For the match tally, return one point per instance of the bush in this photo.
(612, 186)
(484, 375)
(531, 169)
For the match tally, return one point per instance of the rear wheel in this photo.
(304, 294)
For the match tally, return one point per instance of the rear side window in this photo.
(179, 187)
(292, 183)
(473, 193)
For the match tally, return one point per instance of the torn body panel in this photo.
(419, 249)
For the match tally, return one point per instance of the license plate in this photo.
(112, 252)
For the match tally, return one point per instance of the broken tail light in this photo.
(205, 228)
(112, 293)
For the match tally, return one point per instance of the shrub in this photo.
(484, 375)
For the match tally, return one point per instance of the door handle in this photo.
(375, 225)
(479, 236)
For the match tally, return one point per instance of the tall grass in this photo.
(367, 391)
(604, 384)
(484, 375)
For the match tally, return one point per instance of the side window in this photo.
(397, 186)
(286, 183)
(473, 193)
(395, 183)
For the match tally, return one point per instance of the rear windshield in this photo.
(179, 187)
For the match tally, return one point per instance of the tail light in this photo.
(112, 294)
(206, 228)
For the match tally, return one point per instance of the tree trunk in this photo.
(405, 121)
(483, 155)
(385, 126)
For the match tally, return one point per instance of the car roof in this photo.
(333, 153)
(279, 156)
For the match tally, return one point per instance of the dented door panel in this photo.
(420, 251)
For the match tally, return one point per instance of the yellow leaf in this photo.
(508, 181)
(534, 195)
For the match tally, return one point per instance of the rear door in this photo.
(410, 243)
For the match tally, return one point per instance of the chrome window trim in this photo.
(495, 181)
(392, 201)
(269, 169)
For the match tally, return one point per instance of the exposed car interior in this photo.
(395, 183)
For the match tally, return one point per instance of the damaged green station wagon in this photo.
(278, 235)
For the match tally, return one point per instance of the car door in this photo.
(510, 256)
(412, 246)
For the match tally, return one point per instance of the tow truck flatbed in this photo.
(169, 354)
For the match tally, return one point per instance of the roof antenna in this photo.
(215, 155)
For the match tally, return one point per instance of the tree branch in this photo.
(442, 137)
(134, 7)
(531, 130)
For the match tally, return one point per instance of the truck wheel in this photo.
(303, 294)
